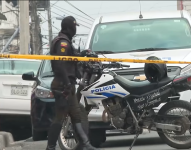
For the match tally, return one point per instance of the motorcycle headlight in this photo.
(186, 70)
(41, 92)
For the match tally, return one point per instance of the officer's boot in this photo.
(53, 135)
(85, 126)
(84, 141)
(51, 148)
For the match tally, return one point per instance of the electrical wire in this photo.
(110, 12)
(47, 20)
(62, 16)
(54, 3)
(78, 22)
(76, 18)
(58, 7)
(78, 9)
(153, 6)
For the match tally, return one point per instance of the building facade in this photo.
(8, 27)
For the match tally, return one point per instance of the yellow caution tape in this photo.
(68, 58)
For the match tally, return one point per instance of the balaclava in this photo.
(68, 26)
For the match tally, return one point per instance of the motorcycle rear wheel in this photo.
(163, 133)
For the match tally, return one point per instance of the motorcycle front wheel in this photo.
(179, 139)
(67, 139)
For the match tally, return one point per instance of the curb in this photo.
(6, 140)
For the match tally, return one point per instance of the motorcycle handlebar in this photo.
(125, 65)
(89, 53)
(104, 66)
(114, 65)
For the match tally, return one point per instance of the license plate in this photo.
(19, 90)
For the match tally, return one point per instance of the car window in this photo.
(18, 67)
(140, 34)
(47, 67)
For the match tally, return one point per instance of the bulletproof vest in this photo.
(55, 40)
(74, 51)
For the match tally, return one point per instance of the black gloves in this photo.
(67, 90)
(84, 53)
(88, 53)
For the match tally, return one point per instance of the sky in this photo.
(94, 9)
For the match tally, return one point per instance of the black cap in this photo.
(68, 26)
(74, 20)
(76, 23)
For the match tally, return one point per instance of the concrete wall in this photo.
(7, 27)
(12, 17)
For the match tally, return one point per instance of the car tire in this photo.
(97, 137)
(39, 135)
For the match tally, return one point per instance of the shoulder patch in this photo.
(64, 44)
(63, 50)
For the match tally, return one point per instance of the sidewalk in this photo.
(6, 140)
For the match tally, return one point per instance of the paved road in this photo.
(150, 141)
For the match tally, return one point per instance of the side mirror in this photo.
(28, 76)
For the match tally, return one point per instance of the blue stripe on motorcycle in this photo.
(94, 97)
(108, 94)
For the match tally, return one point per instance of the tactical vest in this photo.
(52, 50)
(56, 39)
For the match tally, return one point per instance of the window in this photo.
(47, 67)
(131, 35)
(18, 67)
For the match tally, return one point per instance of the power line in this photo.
(78, 9)
(54, 3)
(47, 20)
(62, 16)
(76, 18)
(71, 12)
(78, 22)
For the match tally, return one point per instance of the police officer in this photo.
(63, 86)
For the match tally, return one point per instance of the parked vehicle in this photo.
(124, 35)
(15, 92)
(42, 105)
(129, 105)
(166, 35)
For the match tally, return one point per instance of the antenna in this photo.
(140, 16)
(79, 45)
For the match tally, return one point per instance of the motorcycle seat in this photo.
(139, 88)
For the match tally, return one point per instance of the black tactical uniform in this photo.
(63, 86)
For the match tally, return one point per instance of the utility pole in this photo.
(49, 22)
(35, 38)
(24, 26)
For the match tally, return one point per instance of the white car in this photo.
(15, 93)
(166, 35)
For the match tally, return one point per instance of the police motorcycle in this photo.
(129, 105)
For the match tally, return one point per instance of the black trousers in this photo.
(63, 106)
